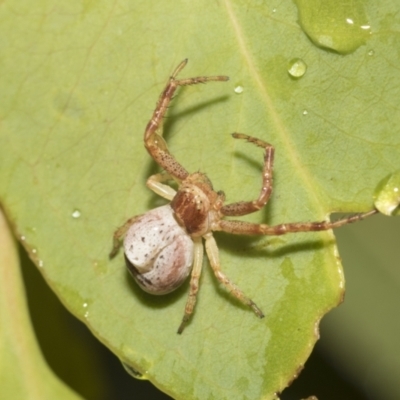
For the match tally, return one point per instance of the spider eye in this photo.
(158, 251)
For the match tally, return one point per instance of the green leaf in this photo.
(82, 82)
(24, 373)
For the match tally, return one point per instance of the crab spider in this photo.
(163, 246)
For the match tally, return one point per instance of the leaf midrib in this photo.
(299, 168)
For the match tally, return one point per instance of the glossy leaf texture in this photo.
(82, 82)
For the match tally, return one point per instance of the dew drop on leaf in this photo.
(76, 214)
(334, 25)
(238, 89)
(387, 195)
(133, 372)
(86, 310)
(297, 68)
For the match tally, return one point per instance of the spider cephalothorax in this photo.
(196, 205)
(165, 245)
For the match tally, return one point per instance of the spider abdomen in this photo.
(158, 251)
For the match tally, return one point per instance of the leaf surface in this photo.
(82, 82)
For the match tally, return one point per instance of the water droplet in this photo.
(76, 214)
(40, 264)
(238, 89)
(23, 238)
(34, 251)
(371, 52)
(133, 372)
(86, 313)
(387, 195)
(305, 112)
(333, 25)
(274, 10)
(297, 68)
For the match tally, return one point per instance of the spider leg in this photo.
(248, 228)
(247, 207)
(155, 184)
(213, 256)
(119, 233)
(194, 282)
(155, 144)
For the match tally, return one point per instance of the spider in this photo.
(165, 244)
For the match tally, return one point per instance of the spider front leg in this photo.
(153, 140)
(247, 207)
(213, 256)
(155, 183)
